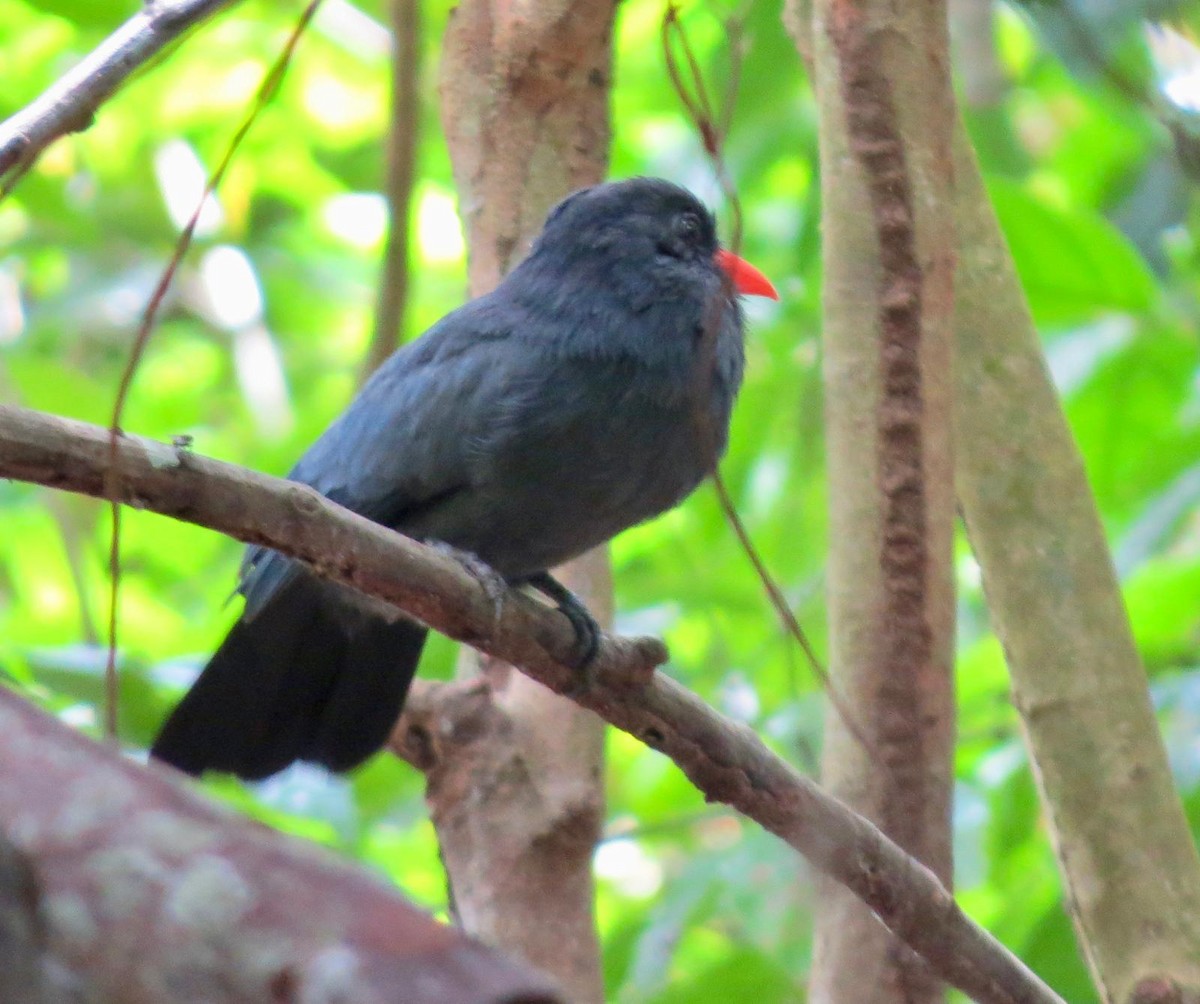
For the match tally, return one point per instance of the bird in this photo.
(589, 391)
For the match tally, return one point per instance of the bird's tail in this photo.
(320, 673)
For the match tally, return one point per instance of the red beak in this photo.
(746, 279)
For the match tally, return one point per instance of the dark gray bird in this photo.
(590, 391)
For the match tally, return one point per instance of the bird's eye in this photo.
(688, 226)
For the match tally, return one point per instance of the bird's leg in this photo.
(587, 631)
(495, 586)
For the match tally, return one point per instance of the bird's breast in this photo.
(585, 453)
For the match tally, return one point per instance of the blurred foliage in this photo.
(265, 329)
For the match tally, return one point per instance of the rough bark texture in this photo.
(28, 972)
(515, 794)
(525, 109)
(1128, 860)
(883, 82)
(726, 761)
(137, 890)
(524, 92)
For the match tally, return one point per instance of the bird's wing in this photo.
(405, 443)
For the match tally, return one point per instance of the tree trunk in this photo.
(1121, 837)
(525, 109)
(883, 86)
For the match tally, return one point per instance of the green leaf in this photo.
(88, 13)
(1073, 264)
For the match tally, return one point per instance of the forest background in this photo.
(1081, 127)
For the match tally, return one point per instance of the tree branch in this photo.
(135, 888)
(1126, 855)
(27, 973)
(69, 105)
(725, 760)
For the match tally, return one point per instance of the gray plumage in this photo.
(584, 395)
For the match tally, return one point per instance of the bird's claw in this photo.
(587, 631)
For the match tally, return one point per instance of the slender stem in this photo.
(70, 104)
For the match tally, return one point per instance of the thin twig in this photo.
(266, 91)
(396, 277)
(694, 97)
(71, 102)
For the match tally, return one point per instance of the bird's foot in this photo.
(587, 631)
(495, 586)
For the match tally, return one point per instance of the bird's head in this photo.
(650, 225)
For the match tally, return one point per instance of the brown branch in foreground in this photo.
(136, 888)
(69, 105)
(725, 760)
(27, 973)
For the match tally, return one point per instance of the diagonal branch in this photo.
(725, 760)
(68, 106)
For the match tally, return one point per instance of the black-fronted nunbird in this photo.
(590, 391)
